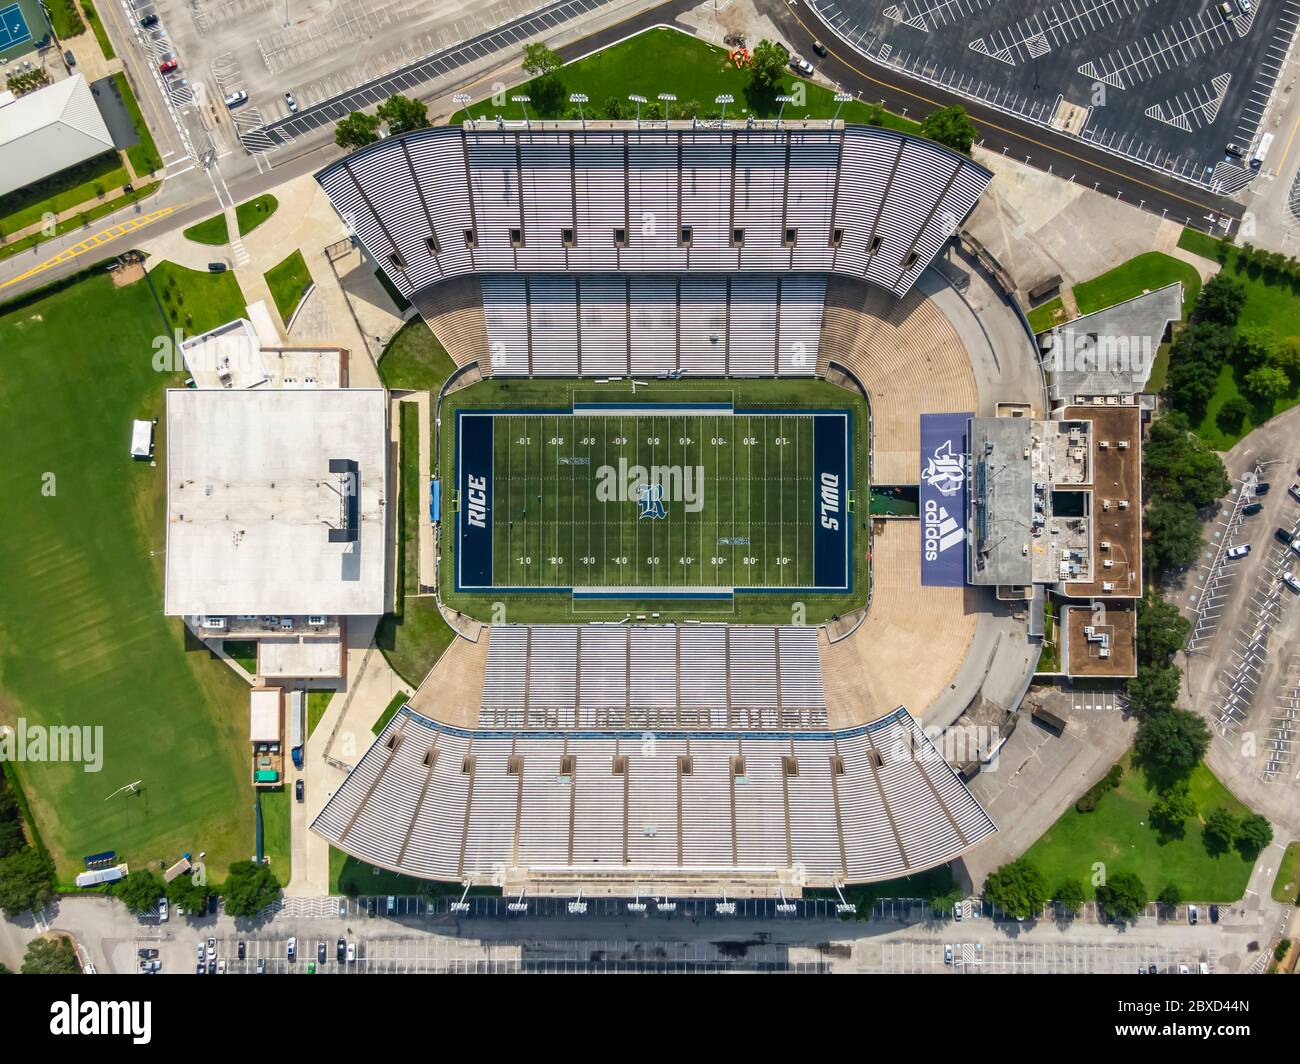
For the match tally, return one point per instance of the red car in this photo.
(167, 67)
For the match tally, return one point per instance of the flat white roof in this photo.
(302, 658)
(264, 715)
(256, 517)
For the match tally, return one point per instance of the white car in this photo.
(1244, 5)
(212, 948)
(291, 103)
(236, 98)
(352, 953)
(1238, 552)
(801, 66)
(1291, 582)
(1294, 489)
(947, 953)
(291, 950)
(162, 910)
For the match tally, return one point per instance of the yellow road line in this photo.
(1002, 129)
(1287, 151)
(91, 243)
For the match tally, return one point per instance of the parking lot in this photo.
(1167, 83)
(1000, 957)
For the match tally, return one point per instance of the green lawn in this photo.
(318, 702)
(87, 181)
(1202, 244)
(1286, 887)
(249, 216)
(667, 60)
(277, 833)
(65, 19)
(144, 155)
(243, 651)
(1049, 660)
(414, 360)
(97, 28)
(356, 878)
(1119, 834)
(83, 640)
(1145, 273)
(1044, 317)
(399, 700)
(80, 220)
(196, 301)
(288, 282)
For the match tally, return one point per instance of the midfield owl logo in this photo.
(652, 502)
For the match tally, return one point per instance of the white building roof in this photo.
(264, 715)
(256, 516)
(141, 439)
(49, 130)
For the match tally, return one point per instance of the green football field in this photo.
(737, 495)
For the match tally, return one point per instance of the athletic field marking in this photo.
(13, 27)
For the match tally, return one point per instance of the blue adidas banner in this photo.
(831, 527)
(945, 458)
(474, 482)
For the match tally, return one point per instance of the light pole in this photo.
(462, 98)
(523, 102)
(666, 98)
(638, 100)
(724, 99)
(782, 100)
(579, 98)
(841, 98)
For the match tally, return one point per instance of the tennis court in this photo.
(13, 27)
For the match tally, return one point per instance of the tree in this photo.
(1266, 384)
(546, 88)
(1175, 533)
(26, 881)
(1155, 688)
(1177, 464)
(951, 126)
(1195, 359)
(1255, 833)
(540, 61)
(1069, 896)
(1018, 889)
(356, 130)
(1255, 346)
(1172, 895)
(1161, 630)
(1123, 895)
(402, 114)
(1221, 830)
(1221, 300)
(140, 890)
(1170, 744)
(767, 65)
(1286, 357)
(188, 893)
(1232, 414)
(250, 888)
(1173, 807)
(51, 956)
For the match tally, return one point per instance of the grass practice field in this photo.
(736, 506)
(83, 640)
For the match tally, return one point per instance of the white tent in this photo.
(142, 439)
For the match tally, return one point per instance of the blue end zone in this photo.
(832, 479)
(474, 519)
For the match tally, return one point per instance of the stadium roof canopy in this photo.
(261, 518)
(47, 131)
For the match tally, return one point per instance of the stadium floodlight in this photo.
(841, 98)
(638, 100)
(518, 905)
(461, 906)
(784, 906)
(844, 907)
(637, 906)
(666, 98)
(578, 907)
(462, 98)
(579, 98)
(782, 100)
(725, 908)
(523, 102)
(724, 99)
(666, 906)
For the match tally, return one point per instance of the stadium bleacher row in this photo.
(862, 201)
(613, 324)
(859, 805)
(634, 676)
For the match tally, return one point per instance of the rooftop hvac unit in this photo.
(1104, 652)
(1123, 504)
(1122, 445)
(316, 622)
(1109, 563)
(1105, 544)
(1105, 504)
(1102, 445)
(1107, 586)
(214, 622)
(1088, 629)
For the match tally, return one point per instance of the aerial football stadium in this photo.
(698, 652)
